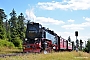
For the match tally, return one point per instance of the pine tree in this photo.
(7, 27)
(2, 28)
(14, 28)
(69, 39)
(81, 43)
(21, 27)
(13, 19)
(88, 45)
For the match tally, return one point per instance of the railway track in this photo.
(13, 54)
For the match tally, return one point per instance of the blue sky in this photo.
(63, 16)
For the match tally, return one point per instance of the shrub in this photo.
(86, 50)
(17, 43)
(5, 43)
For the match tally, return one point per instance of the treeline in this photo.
(87, 46)
(12, 29)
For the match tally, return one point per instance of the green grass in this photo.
(52, 56)
(6, 50)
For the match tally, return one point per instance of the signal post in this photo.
(77, 41)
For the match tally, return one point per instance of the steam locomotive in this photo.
(39, 38)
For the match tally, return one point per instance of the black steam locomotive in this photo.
(39, 38)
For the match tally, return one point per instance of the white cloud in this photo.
(87, 23)
(66, 4)
(74, 26)
(87, 19)
(71, 20)
(30, 15)
(78, 26)
(65, 35)
(49, 20)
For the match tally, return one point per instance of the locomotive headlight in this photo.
(23, 47)
(54, 47)
(25, 39)
(36, 38)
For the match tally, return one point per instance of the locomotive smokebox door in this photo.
(76, 33)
